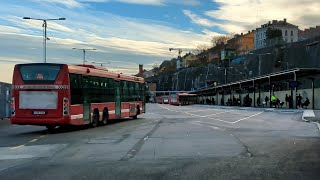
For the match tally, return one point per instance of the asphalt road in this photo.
(168, 142)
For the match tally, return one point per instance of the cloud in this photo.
(10, 29)
(238, 15)
(67, 3)
(84, 3)
(198, 20)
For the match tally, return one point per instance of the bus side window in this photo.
(75, 89)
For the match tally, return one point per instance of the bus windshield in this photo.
(39, 73)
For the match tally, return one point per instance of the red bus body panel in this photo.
(62, 87)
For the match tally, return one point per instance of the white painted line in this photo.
(218, 113)
(16, 147)
(247, 117)
(145, 138)
(220, 120)
(33, 140)
(212, 127)
(200, 110)
(317, 124)
(42, 136)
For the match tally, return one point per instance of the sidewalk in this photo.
(268, 109)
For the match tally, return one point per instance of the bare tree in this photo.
(221, 40)
(202, 48)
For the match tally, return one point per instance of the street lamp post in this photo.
(44, 25)
(84, 53)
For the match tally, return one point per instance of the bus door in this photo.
(86, 99)
(118, 99)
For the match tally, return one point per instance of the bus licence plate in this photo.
(39, 112)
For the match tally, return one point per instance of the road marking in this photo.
(247, 117)
(212, 127)
(33, 140)
(218, 113)
(16, 147)
(145, 138)
(42, 136)
(200, 110)
(220, 120)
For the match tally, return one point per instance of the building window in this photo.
(286, 33)
(291, 33)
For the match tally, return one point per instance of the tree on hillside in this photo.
(273, 33)
(273, 37)
(156, 68)
(202, 48)
(221, 40)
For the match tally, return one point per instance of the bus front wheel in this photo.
(138, 112)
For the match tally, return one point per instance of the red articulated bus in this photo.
(53, 95)
(183, 99)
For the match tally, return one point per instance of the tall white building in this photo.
(289, 32)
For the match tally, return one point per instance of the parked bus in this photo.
(58, 94)
(165, 99)
(183, 99)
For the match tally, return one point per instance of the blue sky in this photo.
(131, 32)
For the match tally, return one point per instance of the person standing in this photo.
(290, 102)
(266, 100)
(299, 101)
(273, 100)
(287, 100)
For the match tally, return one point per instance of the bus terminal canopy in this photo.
(291, 75)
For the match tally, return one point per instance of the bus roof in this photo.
(95, 71)
(102, 72)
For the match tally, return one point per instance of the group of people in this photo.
(275, 102)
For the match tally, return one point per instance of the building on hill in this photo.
(186, 60)
(242, 43)
(289, 33)
(309, 33)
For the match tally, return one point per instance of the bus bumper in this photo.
(40, 122)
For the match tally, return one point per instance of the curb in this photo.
(309, 114)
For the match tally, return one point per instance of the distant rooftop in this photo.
(283, 22)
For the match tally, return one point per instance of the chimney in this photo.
(285, 20)
(140, 69)
(269, 22)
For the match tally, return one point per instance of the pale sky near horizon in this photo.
(131, 32)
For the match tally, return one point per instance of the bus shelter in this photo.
(257, 91)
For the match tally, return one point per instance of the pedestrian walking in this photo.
(266, 99)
